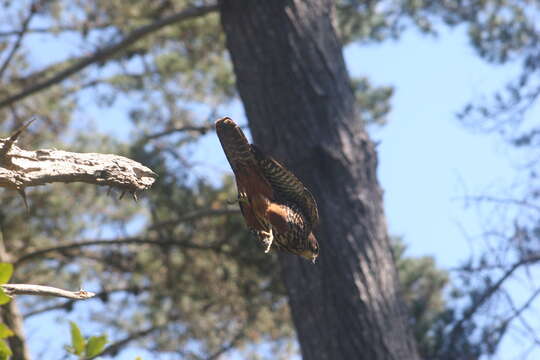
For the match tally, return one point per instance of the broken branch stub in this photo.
(20, 169)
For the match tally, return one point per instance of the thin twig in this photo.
(202, 130)
(199, 129)
(18, 42)
(196, 214)
(518, 311)
(40, 290)
(8, 143)
(112, 242)
(486, 295)
(54, 29)
(234, 341)
(106, 52)
(504, 201)
(114, 348)
(66, 305)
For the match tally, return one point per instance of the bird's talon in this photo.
(242, 197)
(268, 240)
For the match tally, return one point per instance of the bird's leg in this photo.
(268, 238)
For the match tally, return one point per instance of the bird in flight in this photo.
(274, 203)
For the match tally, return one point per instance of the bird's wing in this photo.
(311, 205)
(254, 191)
(286, 185)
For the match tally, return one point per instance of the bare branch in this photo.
(114, 348)
(40, 290)
(107, 242)
(487, 294)
(117, 346)
(22, 168)
(106, 52)
(234, 341)
(517, 312)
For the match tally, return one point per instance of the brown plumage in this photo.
(274, 203)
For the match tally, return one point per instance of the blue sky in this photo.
(428, 160)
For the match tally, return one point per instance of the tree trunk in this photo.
(293, 82)
(11, 316)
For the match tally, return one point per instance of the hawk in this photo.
(276, 206)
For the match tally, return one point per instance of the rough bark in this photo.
(22, 168)
(293, 82)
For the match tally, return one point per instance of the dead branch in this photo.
(106, 52)
(40, 290)
(20, 168)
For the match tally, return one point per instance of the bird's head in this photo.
(312, 250)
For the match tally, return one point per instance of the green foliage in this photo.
(85, 348)
(6, 270)
(433, 310)
(5, 351)
(501, 31)
(375, 21)
(373, 103)
(77, 340)
(423, 284)
(5, 331)
(95, 346)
